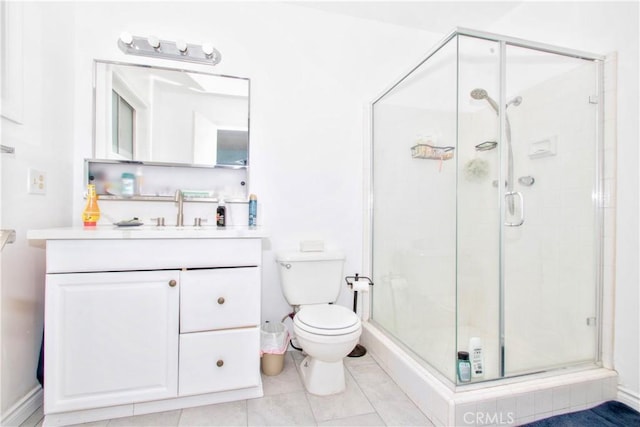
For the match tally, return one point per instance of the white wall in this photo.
(42, 141)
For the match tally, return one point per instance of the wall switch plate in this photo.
(37, 182)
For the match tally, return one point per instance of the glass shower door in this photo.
(549, 284)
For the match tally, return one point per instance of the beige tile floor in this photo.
(371, 399)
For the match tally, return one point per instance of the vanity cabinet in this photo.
(140, 323)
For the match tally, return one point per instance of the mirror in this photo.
(164, 115)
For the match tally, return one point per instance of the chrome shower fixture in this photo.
(479, 93)
(486, 146)
(515, 101)
(527, 181)
(178, 51)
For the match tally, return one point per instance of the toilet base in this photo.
(322, 378)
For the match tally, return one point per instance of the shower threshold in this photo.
(511, 401)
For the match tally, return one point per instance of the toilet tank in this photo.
(310, 277)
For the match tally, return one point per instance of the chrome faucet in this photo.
(179, 199)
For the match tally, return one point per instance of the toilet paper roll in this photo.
(361, 286)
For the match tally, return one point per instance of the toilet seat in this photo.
(327, 319)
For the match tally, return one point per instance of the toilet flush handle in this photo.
(287, 266)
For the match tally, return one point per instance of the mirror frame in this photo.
(163, 68)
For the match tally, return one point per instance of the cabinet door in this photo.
(219, 298)
(110, 338)
(219, 360)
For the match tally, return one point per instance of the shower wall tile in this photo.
(524, 405)
(609, 388)
(543, 401)
(487, 412)
(507, 407)
(594, 391)
(561, 398)
(463, 415)
(578, 393)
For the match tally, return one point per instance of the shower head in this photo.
(515, 101)
(479, 93)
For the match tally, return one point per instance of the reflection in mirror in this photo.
(165, 115)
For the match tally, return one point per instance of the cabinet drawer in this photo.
(219, 360)
(219, 299)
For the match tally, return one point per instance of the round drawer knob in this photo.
(172, 283)
(221, 300)
(219, 363)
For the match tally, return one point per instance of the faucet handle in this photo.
(197, 222)
(159, 221)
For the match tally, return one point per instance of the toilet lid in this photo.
(328, 319)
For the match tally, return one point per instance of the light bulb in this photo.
(126, 38)
(182, 46)
(154, 42)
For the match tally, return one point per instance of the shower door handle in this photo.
(515, 195)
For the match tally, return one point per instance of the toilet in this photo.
(311, 282)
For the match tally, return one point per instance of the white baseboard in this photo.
(629, 398)
(23, 409)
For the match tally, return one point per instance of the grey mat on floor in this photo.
(609, 414)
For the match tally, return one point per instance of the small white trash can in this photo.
(274, 340)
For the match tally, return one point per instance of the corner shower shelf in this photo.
(431, 152)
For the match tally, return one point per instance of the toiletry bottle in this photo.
(253, 210)
(91, 213)
(139, 182)
(220, 213)
(128, 184)
(464, 367)
(477, 357)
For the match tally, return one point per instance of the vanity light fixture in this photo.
(179, 50)
(154, 42)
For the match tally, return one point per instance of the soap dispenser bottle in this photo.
(91, 213)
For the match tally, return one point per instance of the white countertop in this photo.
(110, 232)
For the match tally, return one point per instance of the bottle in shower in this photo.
(464, 367)
(477, 357)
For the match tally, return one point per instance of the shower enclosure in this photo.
(486, 220)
